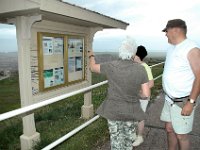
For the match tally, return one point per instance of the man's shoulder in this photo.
(191, 43)
(185, 47)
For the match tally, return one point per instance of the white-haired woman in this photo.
(121, 107)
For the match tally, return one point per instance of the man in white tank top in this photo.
(181, 83)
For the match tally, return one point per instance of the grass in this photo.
(157, 70)
(9, 94)
(54, 121)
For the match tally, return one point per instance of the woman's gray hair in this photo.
(128, 49)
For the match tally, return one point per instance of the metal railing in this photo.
(157, 64)
(31, 108)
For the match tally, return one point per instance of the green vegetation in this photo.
(9, 94)
(54, 121)
(157, 70)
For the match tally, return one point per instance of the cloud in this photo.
(7, 31)
(8, 45)
(146, 18)
(8, 39)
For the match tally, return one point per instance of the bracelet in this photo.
(91, 56)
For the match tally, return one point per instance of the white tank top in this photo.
(178, 76)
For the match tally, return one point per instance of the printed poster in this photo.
(53, 77)
(78, 63)
(52, 45)
(58, 76)
(48, 78)
(71, 64)
(58, 46)
(75, 47)
(47, 44)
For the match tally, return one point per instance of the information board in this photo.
(61, 60)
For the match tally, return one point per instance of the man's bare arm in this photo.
(194, 59)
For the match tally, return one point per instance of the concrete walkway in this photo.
(155, 135)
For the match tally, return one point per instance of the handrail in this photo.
(68, 135)
(157, 77)
(157, 64)
(32, 107)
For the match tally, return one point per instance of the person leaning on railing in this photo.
(121, 107)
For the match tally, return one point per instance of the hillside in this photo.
(8, 61)
(109, 56)
(104, 57)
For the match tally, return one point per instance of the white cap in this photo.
(128, 48)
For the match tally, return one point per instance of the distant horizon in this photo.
(155, 51)
(150, 51)
(151, 54)
(154, 54)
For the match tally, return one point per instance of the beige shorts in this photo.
(144, 104)
(172, 113)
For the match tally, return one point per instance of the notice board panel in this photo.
(75, 58)
(61, 60)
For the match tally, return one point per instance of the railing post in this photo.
(87, 109)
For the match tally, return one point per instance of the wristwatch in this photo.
(192, 101)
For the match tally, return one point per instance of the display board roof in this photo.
(56, 10)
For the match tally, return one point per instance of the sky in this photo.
(146, 18)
